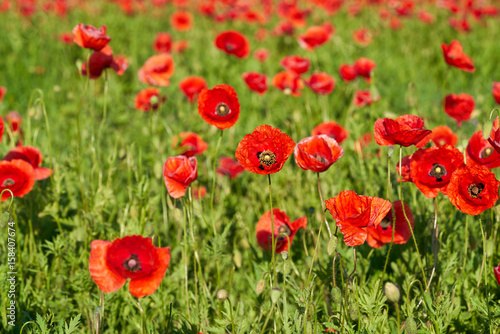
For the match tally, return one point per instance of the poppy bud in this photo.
(391, 291)
(411, 326)
(284, 255)
(332, 245)
(222, 295)
(237, 258)
(261, 285)
(275, 294)
(487, 127)
(353, 311)
(336, 295)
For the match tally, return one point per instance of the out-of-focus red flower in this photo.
(295, 64)
(3, 91)
(192, 86)
(425, 16)
(362, 143)
(459, 107)
(331, 129)
(66, 38)
(219, 106)
(178, 173)
(496, 271)
(364, 68)
(90, 37)
(15, 121)
(134, 257)
(191, 144)
(317, 153)
(265, 150)
(261, 55)
(382, 234)
(348, 72)
(395, 23)
(284, 28)
(494, 138)
(461, 25)
(431, 169)
(362, 36)
(255, 81)
(473, 189)
(404, 171)
(321, 83)
(354, 213)
(315, 36)
(454, 55)
(443, 135)
(33, 156)
(229, 166)
(199, 192)
(181, 20)
(363, 98)
(162, 42)
(101, 60)
(18, 176)
(180, 46)
(290, 84)
(157, 70)
(495, 90)
(234, 43)
(148, 99)
(405, 130)
(282, 228)
(480, 152)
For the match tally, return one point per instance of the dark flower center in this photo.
(283, 229)
(475, 189)
(320, 158)
(267, 158)
(386, 223)
(486, 152)
(438, 171)
(8, 182)
(222, 109)
(132, 263)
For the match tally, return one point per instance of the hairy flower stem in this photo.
(404, 213)
(435, 244)
(323, 208)
(483, 237)
(212, 195)
(144, 330)
(101, 126)
(273, 240)
(466, 241)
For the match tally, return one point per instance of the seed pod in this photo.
(336, 295)
(411, 326)
(353, 311)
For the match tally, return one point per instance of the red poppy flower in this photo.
(284, 28)
(354, 213)
(405, 130)
(282, 227)
(229, 166)
(90, 37)
(219, 106)
(362, 144)
(348, 72)
(3, 91)
(455, 56)
(395, 23)
(192, 86)
(331, 129)
(497, 273)
(362, 36)
(66, 38)
(363, 98)
(317, 153)
(480, 152)
(33, 156)
(199, 192)
(18, 176)
(494, 138)
(459, 107)
(261, 55)
(473, 189)
(443, 135)
(382, 234)
(134, 257)
(495, 90)
(321, 83)
(405, 171)
(461, 25)
(162, 42)
(191, 144)
(255, 81)
(425, 16)
(288, 83)
(234, 43)
(178, 173)
(101, 60)
(181, 20)
(157, 70)
(265, 150)
(295, 64)
(431, 169)
(148, 99)
(315, 36)
(180, 46)
(15, 122)
(364, 67)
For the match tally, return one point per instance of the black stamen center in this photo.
(283, 229)
(132, 263)
(8, 182)
(438, 171)
(267, 158)
(475, 189)
(486, 153)
(222, 109)
(386, 223)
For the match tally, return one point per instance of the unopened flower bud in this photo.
(275, 294)
(261, 285)
(411, 326)
(391, 291)
(222, 295)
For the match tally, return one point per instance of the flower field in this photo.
(249, 166)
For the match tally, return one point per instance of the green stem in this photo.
(144, 331)
(273, 241)
(435, 244)
(483, 237)
(212, 196)
(466, 241)
(323, 208)
(101, 126)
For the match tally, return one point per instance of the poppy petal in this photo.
(147, 285)
(105, 278)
